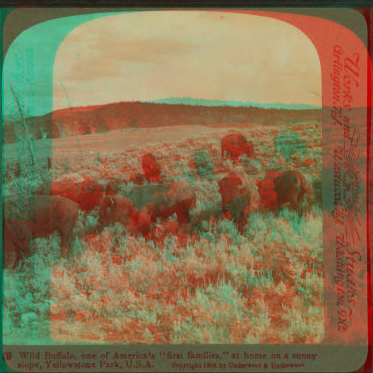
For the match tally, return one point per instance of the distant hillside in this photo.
(100, 119)
(203, 102)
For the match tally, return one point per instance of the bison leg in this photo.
(241, 224)
(16, 251)
(182, 211)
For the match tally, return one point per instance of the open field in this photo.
(213, 285)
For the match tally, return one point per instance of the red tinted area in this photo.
(266, 189)
(152, 169)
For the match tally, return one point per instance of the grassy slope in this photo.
(214, 286)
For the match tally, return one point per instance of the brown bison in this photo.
(88, 200)
(235, 196)
(164, 200)
(291, 188)
(87, 193)
(112, 187)
(37, 217)
(116, 208)
(151, 167)
(235, 145)
(92, 193)
(174, 198)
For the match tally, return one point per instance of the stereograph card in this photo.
(186, 190)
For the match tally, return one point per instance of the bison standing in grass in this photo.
(89, 196)
(38, 216)
(236, 145)
(87, 193)
(164, 200)
(281, 189)
(177, 198)
(292, 189)
(235, 195)
(116, 208)
(112, 187)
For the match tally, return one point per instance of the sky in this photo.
(29, 62)
(208, 55)
(101, 58)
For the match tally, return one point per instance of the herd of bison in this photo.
(56, 207)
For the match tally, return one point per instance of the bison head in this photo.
(291, 187)
(114, 208)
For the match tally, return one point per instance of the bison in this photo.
(235, 195)
(235, 145)
(152, 169)
(92, 193)
(291, 188)
(163, 200)
(142, 195)
(39, 216)
(174, 198)
(87, 193)
(116, 208)
(112, 187)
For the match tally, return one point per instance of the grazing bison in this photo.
(88, 200)
(142, 195)
(116, 208)
(67, 186)
(235, 145)
(235, 196)
(152, 169)
(37, 217)
(163, 200)
(203, 164)
(92, 193)
(87, 193)
(177, 198)
(112, 187)
(291, 188)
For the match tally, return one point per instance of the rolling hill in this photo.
(123, 115)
